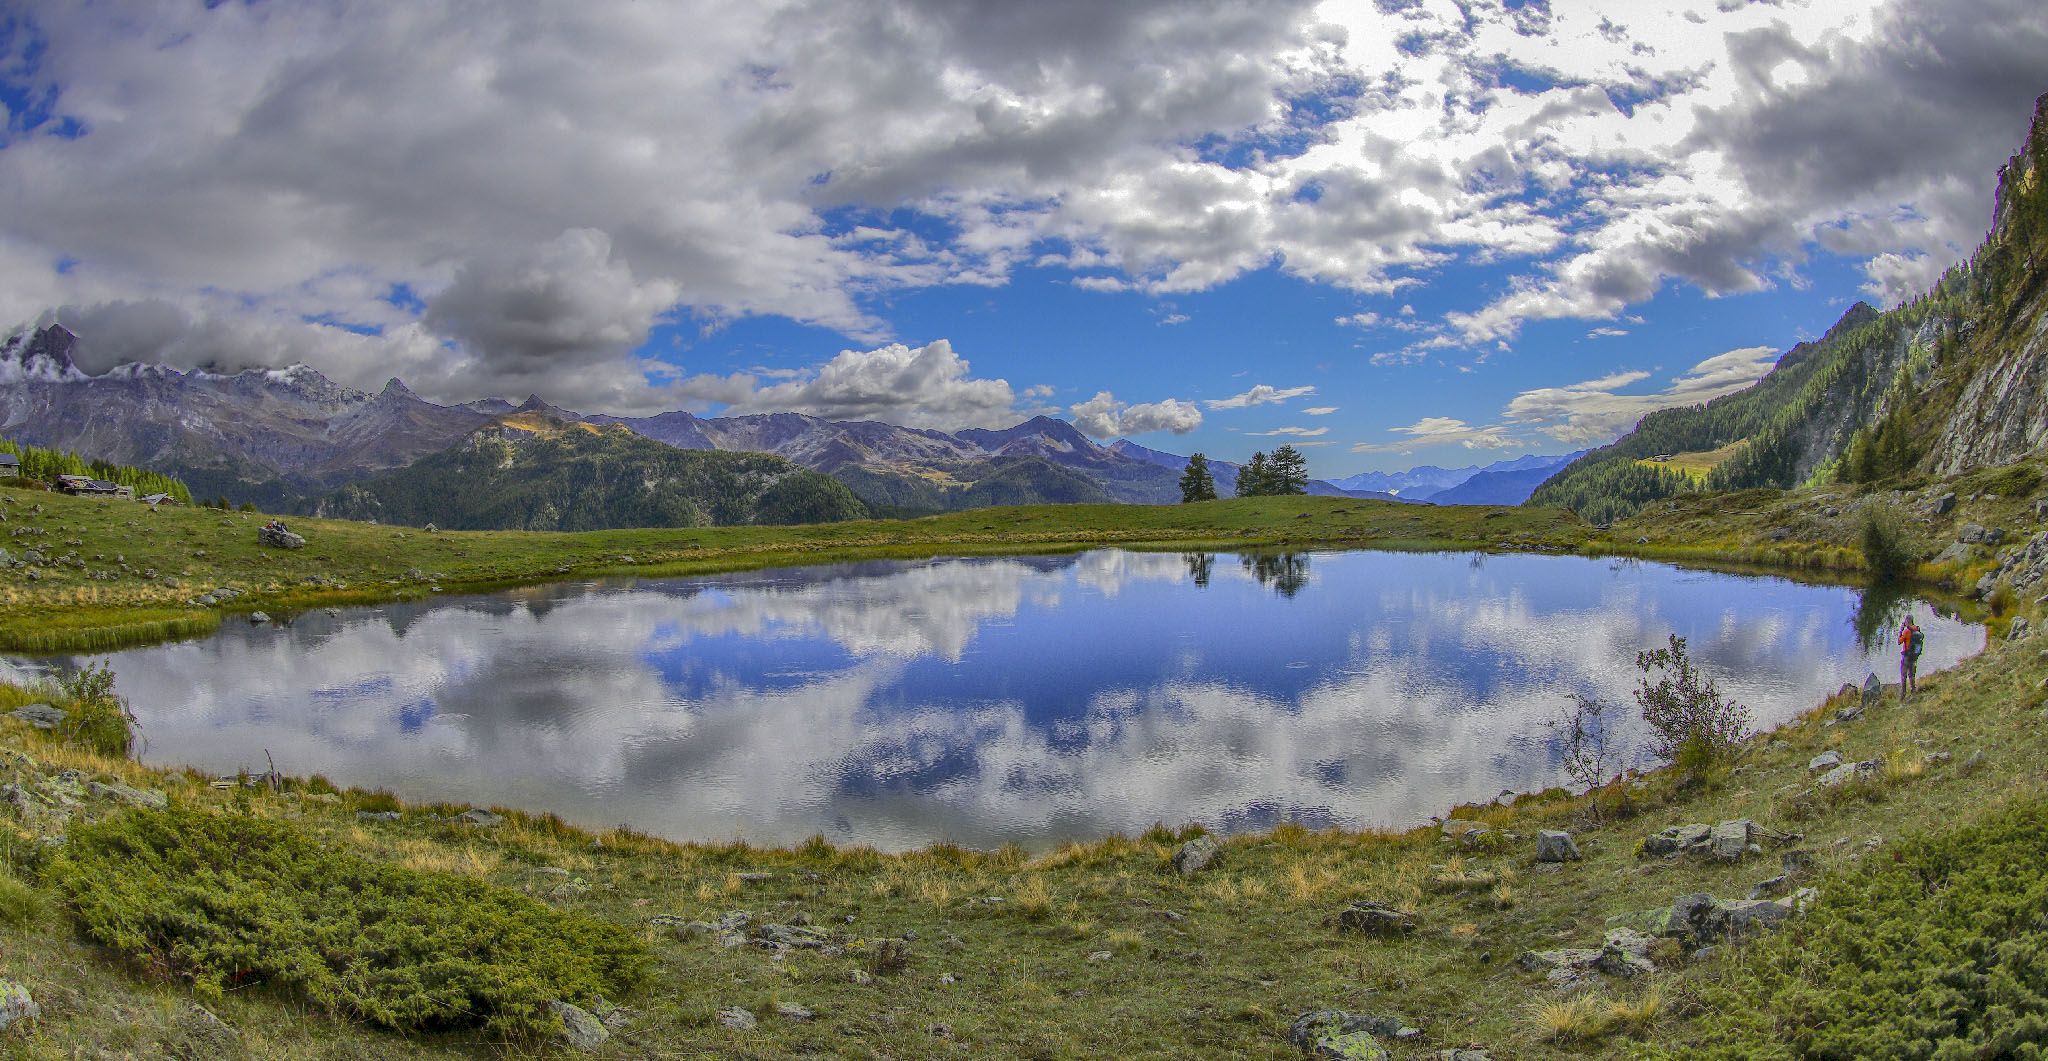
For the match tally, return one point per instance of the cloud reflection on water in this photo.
(990, 700)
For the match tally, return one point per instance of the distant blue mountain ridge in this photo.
(1507, 482)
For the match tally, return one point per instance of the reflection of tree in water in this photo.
(1878, 614)
(1286, 573)
(1199, 566)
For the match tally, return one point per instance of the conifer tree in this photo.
(1255, 478)
(1287, 472)
(1196, 484)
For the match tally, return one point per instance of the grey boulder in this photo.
(579, 1029)
(1731, 840)
(1372, 918)
(134, 797)
(1555, 845)
(1704, 919)
(1847, 771)
(16, 1005)
(1195, 855)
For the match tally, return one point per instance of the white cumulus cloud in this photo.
(929, 386)
(1103, 416)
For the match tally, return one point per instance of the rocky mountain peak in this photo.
(534, 403)
(302, 382)
(396, 390)
(43, 355)
(2019, 180)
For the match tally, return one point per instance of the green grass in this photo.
(108, 603)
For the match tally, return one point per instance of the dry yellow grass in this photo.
(1033, 899)
(1580, 1018)
(1304, 884)
(467, 860)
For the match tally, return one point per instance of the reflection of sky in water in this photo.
(990, 700)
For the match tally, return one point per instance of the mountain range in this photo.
(1425, 482)
(1505, 482)
(287, 438)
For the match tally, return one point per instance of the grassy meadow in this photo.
(1094, 950)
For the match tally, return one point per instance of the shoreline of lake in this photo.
(901, 730)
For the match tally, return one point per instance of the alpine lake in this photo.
(986, 701)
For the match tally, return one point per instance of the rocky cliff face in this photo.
(1891, 362)
(2001, 411)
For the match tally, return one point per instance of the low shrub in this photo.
(1887, 554)
(2012, 481)
(1938, 951)
(1693, 726)
(96, 717)
(228, 902)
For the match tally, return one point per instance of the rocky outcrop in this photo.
(41, 716)
(1842, 773)
(2023, 567)
(279, 538)
(1730, 841)
(151, 798)
(1624, 954)
(1704, 920)
(1334, 1035)
(2001, 411)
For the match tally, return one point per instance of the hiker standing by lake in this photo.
(1911, 640)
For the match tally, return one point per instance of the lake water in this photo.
(984, 701)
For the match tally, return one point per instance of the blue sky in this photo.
(1393, 232)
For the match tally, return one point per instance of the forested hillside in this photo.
(1946, 382)
(529, 473)
(47, 464)
(952, 486)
